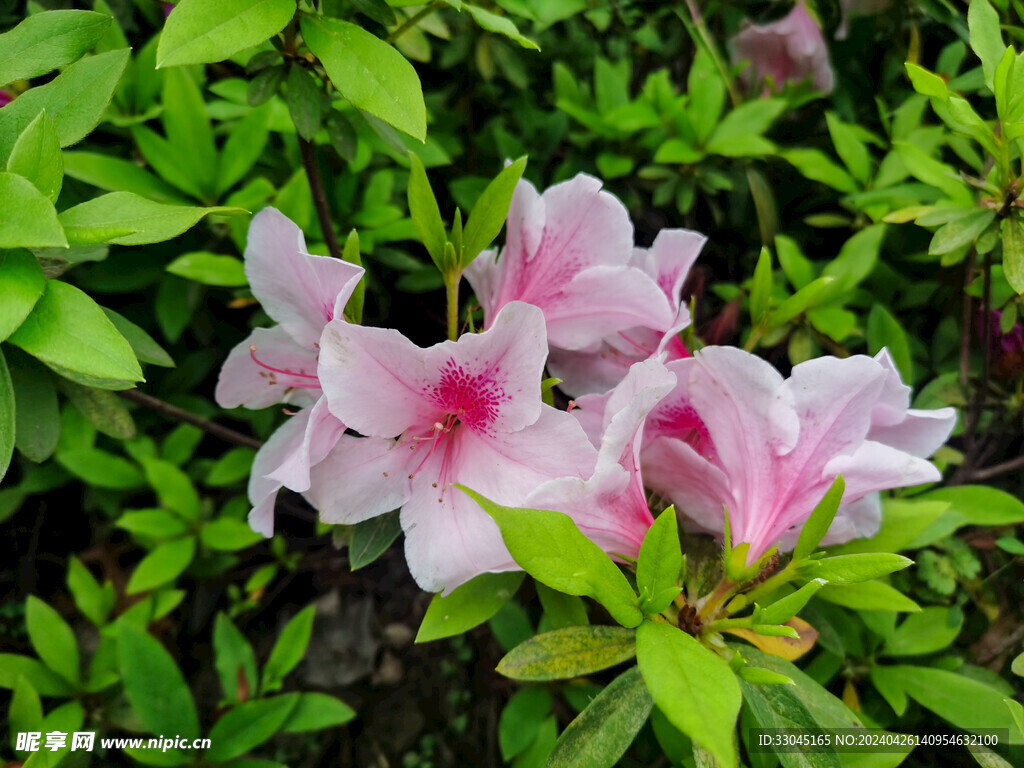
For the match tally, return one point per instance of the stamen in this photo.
(284, 372)
(637, 344)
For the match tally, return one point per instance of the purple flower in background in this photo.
(1006, 349)
(789, 50)
(5, 98)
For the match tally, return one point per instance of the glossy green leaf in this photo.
(562, 610)
(37, 415)
(288, 650)
(521, 720)
(986, 38)
(92, 599)
(850, 147)
(46, 41)
(602, 732)
(868, 596)
(369, 73)
(424, 211)
(143, 345)
(925, 82)
(784, 609)
(852, 569)
(124, 218)
(371, 538)
(8, 417)
(490, 211)
(21, 283)
(42, 679)
(731, 136)
(885, 331)
(569, 652)
(931, 630)
(817, 166)
(467, 606)
(761, 287)
(153, 524)
(661, 558)
(52, 638)
(36, 156)
(961, 231)
(781, 706)
(75, 100)
(244, 147)
(317, 711)
(693, 686)
(114, 174)
(209, 269)
(70, 333)
(549, 547)
(155, 687)
(162, 566)
(1013, 252)
(856, 259)
(818, 523)
(99, 468)
(305, 102)
(248, 725)
(26, 710)
(228, 535)
(969, 505)
(173, 487)
(104, 410)
(231, 467)
(30, 220)
(499, 25)
(199, 32)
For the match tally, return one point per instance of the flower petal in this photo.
(669, 259)
(243, 381)
(361, 478)
(286, 441)
(322, 433)
(301, 291)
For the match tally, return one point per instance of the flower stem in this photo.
(452, 286)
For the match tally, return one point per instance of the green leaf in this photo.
(781, 706)
(885, 332)
(931, 171)
(104, 410)
(707, 94)
(162, 566)
(21, 284)
(36, 156)
(986, 38)
(37, 416)
(856, 259)
(761, 288)
(52, 639)
(1017, 713)
(467, 606)
(371, 538)
(173, 487)
(75, 100)
(92, 599)
(499, 25)
(562, 610)
(693, 686)
(70, 333)
(852, 569)
(963, 701)
(868, 596)
(850, 148)
(424, 211)
(26, 711)
(155, 687)
(200, 32)
(930, 630)
(8, 417)
(902, 521)
(677, 151)
(733, 135)
(789, 606)
(317, 711)
(1013, 253)
(30, 220)
(124, 218)
(490, 211)
(45, 682)
(660, 559)
(807, 298)
(549, 547)
(243, 148)
(143, 345)
(99, 468)
(817, 166)
(602, 732)
(961, 231)
(521, 720)
(369, 73)
(153, 524)
(114, 174)
(305, 102)
(969, 505)
(231, 467)
(234, 659)
(570, 652)
(46, 41)
(288, 650)
(228, 535)
(209, 269)
(927, 83)
(818, 523)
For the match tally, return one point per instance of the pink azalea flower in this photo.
(466, 412)
(5, 98)
(610, 507)
(302, 292)
(791, 49)
(598, 369)
(568, 251)
(735, 435)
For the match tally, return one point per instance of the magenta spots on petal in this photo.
(472, 398)
(681, 421)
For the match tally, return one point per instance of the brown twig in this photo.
(995, 470)
(218, 430)
(316, 187)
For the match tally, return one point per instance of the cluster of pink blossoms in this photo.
(384, 424)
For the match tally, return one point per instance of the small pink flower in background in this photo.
(854, 8)
(735, 435)
(789, 50)
(1006, 349)
(5, 98)
(466, 412)
(568, 251)
(599, 369)
(610, 507)
(302, 292)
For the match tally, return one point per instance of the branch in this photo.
(173, 412)
(998, 469)
(412, 21)
(316, 187)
